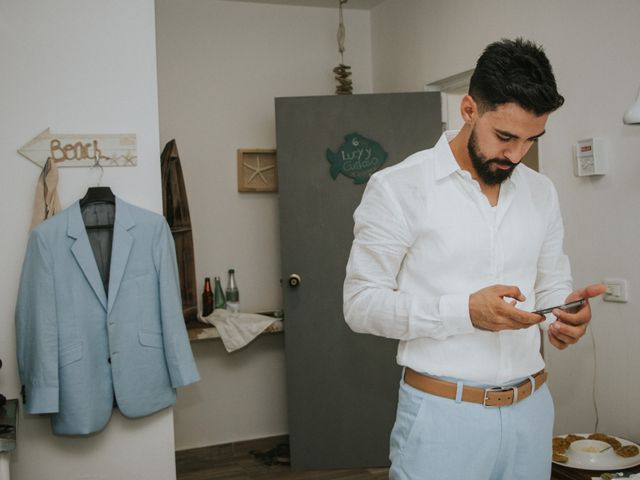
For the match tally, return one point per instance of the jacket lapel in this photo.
(122, 243)
(83, 254)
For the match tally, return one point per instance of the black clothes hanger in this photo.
(97, 195)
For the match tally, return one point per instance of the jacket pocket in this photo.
(134, 276)
(70, 354)
(150, 339)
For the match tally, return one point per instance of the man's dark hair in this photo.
(515, 71)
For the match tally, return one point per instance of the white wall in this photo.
(76, 66)
(593, 47)
(220, 66)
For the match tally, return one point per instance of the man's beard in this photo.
(482, 164)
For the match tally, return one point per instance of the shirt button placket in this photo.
(494, 254)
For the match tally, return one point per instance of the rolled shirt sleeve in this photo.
(372, 301)
(553, 282)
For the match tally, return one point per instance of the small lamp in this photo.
(632, 115)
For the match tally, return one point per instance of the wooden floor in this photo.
(234, 462)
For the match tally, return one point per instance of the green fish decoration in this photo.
(357, 158)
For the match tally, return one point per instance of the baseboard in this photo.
(197, 458)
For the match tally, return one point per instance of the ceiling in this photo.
(351, 4)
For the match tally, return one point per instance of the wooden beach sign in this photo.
(82, 150)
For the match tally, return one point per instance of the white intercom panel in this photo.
(590, 157)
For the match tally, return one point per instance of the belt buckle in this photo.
(499, 389)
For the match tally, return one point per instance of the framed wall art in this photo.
(257, 170)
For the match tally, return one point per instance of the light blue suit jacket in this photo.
(78, 347)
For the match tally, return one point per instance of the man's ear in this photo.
(468, 109)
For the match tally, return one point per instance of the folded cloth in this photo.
(237, 329)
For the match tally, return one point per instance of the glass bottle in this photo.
(218, 295)
(232, 294)
(207, 298)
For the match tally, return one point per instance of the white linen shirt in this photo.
(426, 238)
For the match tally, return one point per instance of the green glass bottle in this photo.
(233, 297)
(218, 295)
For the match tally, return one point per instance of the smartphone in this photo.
(566, 306)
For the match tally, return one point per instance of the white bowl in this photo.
(590, 451)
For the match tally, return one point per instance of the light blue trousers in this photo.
(437, 438)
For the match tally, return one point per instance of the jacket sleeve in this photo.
(180, 361)
(37, 329)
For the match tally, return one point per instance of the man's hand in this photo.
(489, 311)
(570, 327)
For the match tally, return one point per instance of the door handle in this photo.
(294, 280)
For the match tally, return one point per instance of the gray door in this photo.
(341, 386)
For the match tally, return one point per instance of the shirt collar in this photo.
(446, 163)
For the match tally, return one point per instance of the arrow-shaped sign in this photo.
(81, 150)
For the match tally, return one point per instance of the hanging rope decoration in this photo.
(342, 71)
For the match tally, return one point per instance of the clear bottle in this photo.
(232, 294)
(218, 295)
(207, 298)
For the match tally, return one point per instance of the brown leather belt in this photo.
(489, 397)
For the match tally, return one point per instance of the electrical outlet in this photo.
(617, 290)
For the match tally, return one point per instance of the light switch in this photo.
(617, 290)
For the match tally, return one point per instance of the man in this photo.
(454, 248)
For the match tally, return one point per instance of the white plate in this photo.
(609, 460)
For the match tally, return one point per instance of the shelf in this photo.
(203, 331)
